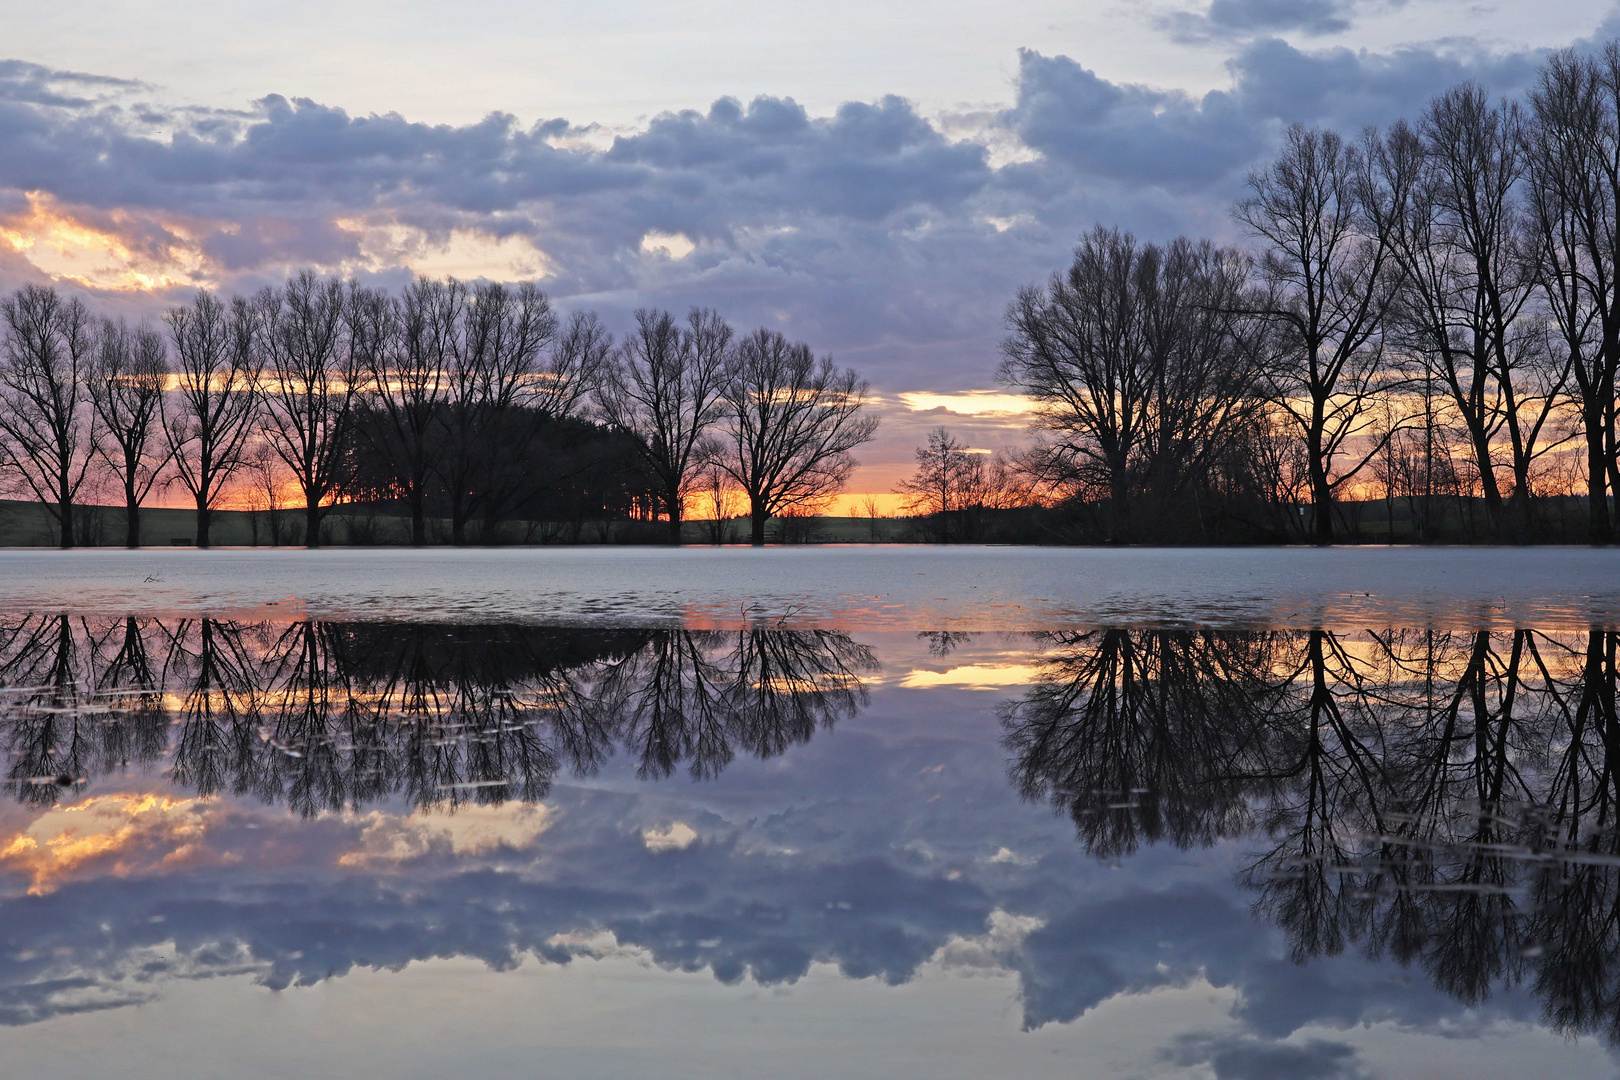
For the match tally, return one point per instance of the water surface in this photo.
(808, 841)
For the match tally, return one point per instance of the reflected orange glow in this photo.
(129, 831)
(972, 677)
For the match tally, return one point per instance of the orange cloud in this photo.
(119, 253)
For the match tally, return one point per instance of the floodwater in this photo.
(805, 813)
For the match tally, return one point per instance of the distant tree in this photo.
(127, 381)
(318, 338)
(210, 415)
(553, 399)
(948, 477)
(48, 428)
(873, 514)
(664, 386)
(791, 425)
(1331, 276)
(721, 496)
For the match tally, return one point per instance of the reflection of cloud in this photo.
(677, 837)
(971, 677)
(470, 830)
(991, 951)
(882, 882)
(119, 833)
(1009, 857)
(1237, 1057)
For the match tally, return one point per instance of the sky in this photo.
(875, 179)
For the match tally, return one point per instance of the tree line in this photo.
(327, 716)
(475, 402)
(1432, 309)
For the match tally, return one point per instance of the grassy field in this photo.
(28, 524)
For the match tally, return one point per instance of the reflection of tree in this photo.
(51, 742)
(1576, 920)
(126, 681)
(327, 716)
(1138, 737)
(695, 696)
(217, 746)
(1450, 801)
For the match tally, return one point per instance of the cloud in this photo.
(36, 84)
(677, 837)
(990, 403)
(1233, 18)
(1241, 1058)
(472, 830)
(888, 238)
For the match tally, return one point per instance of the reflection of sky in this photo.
(874, 901)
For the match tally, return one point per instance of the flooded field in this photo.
(807, 813)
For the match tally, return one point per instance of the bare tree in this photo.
(494, 373)
(945, 481)
(1469, 277)
(1139, 364)
(721, 496)
(1573, 158)
(127, 380)
(570, 369)
(405, 387)
(664, 387)
(208, 417)
(1331, 278)
(267, 478)
(791, 425)
(48, 427)
(317, 337)
(873, 514)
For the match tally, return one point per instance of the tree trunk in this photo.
(312, 522)
(132, 520)
(1519, 509)
(1597, 498)
(418, 518)
(672, 507)
(1321, 490)
(1119, 510)
(1487, 482)
(64, 512)
(458, 519)
(204, 520)
(757, 517)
